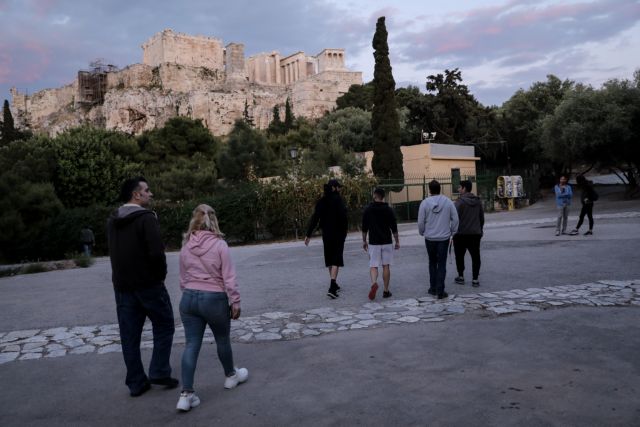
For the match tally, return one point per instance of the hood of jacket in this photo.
(470, 199)
(200, 242)
(126, 214)
(436, 203)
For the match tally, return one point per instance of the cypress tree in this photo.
(288, 116)
(8, 130)
(246, 116)
(385, 123)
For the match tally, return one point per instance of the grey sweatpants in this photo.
(563, 216)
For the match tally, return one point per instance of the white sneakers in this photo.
(187, 401)
(241, 375)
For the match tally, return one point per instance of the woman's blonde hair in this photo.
(203, 218)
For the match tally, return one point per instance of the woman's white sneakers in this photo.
(241, 375)
(187, 401)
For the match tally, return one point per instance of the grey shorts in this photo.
(380, 255)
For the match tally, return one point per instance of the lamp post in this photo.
(427, 136)
(293, 154)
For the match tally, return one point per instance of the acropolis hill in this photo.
(191, 76)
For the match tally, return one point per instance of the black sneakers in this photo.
(142, 390)
(168, 382)
(431, 292)
(386, 294)
(459, 280)
(333, 290)
(443, 295)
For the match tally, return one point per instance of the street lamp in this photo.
(427, 136)
(293, 153)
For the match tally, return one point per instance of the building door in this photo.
(455, 180)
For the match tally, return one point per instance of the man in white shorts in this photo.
(379, 222)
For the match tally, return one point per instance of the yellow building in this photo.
(447, 163)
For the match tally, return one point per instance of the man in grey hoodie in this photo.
(437, 222)
(470, 230)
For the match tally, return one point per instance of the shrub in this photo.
(82, 260)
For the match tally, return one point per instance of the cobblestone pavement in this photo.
(61, 341)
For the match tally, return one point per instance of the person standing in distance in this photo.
(331, 214)
(139, 268)
(437, 222)
(379, 221)
(564, 194)
(587, 198)
(470, 230)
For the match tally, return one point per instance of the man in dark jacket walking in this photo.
(331, 214)
(379, 221)
(470, 230)
(139, 268)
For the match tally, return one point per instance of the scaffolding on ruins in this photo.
(92, 84)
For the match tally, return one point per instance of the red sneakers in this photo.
(372, 292)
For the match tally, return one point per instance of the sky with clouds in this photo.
(500, 45)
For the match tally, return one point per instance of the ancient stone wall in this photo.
(178, 48)
(194, 77)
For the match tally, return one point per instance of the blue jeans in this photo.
(437, 252)
(133, 308)
(197, 310)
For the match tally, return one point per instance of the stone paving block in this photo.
(18, 335)
(409, 319)
(83, 350)
(53, 331)
(10, 348)
(30, 356)
(268, 336)
(434, 319)
(33, 345)
(56, 353)
(8, 357)
(276, 315)
(111, 348)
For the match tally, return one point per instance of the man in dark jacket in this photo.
(379, 221)
(470, 230)
(331, 214)
(139, 267)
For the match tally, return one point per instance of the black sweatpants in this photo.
(587, 209)
(462, 243)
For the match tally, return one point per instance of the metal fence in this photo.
(406, 195)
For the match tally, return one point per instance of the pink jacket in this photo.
(205, 265)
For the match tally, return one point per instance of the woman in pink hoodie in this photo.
(210, 297)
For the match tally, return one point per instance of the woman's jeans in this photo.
(197, 310)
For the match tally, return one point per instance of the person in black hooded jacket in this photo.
(331, 214)
(470, 231)
(587, 198)
(139, 267)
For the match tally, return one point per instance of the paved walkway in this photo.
(270, 326)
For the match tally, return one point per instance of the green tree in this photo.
(180, 137)
(87, 169)
(276, 127)
(349, 127)
(385, 125)
(520, 119)
(358, 96)
(246, 155)
(289, 118)
(7, 131)
(245, 115)
(180, 159)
